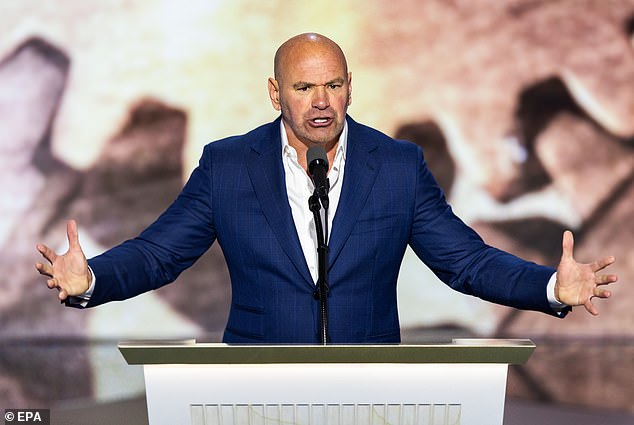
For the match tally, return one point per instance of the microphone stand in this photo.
(321, 292)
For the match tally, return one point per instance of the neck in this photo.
(301, 148)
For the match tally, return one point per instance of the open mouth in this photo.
(321, 121)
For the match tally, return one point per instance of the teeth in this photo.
(320, 120)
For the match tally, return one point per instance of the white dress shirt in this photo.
(299, 188)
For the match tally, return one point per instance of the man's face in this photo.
(313, 92)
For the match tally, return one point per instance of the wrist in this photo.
(552, 292)
(88, 277)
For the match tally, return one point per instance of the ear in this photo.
(349, 88)
(274, 94)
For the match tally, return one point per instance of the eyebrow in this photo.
(299, 84)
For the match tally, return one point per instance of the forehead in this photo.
(312, 63)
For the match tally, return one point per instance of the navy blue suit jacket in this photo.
(389, 199)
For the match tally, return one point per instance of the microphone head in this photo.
(316, 155)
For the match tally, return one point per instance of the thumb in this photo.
(73, 235)
(567, 245)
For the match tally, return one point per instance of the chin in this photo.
(324, 139)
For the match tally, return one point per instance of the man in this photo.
(251, 192)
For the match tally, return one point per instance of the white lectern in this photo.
(463, 382)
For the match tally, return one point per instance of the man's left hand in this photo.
(578, 283)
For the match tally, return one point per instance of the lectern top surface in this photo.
(514, 351)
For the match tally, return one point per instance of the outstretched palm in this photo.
(69, 272)
(578, 283)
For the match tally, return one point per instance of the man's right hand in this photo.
(69, 273)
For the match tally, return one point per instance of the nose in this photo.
(320, 98)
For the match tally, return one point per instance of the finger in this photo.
(567, 245)
(44, 269)
(591, 308)
(52, 283)
(62, 295)
(73, 235)
(602, 263)
(47, 253)
(606, 279)
(601, 293)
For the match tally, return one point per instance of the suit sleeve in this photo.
(163, 250)
(461, 259)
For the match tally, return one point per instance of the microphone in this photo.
(317, 170)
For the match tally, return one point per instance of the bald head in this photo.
(302, 45)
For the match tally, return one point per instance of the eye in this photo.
(302, 88)
(334, 86)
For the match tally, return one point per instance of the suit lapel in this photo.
(362, 167)
(264, 164)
